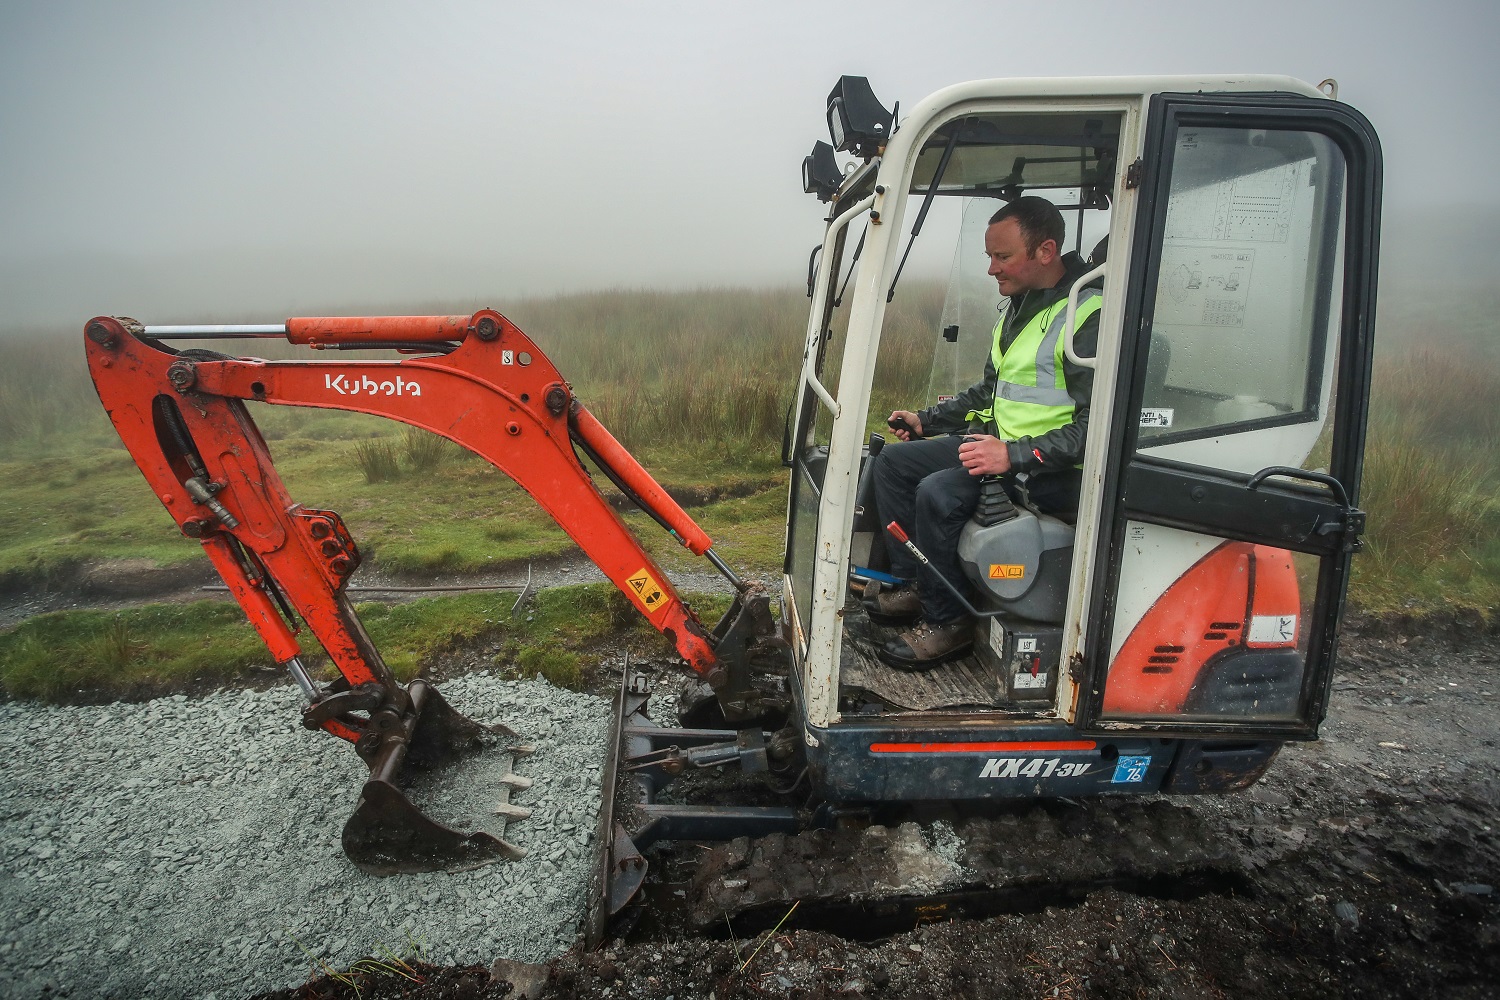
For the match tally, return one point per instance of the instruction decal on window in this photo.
(1156, 416)
(646, 590)
(1204, 286)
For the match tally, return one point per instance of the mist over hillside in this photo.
(1440, 282)
(1451, 244)
(1435, 262)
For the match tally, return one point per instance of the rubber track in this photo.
(974, 866)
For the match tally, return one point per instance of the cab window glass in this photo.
(1249, 263)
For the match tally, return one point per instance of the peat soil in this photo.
(1367, 865)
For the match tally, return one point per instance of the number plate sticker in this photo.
(1129, 770)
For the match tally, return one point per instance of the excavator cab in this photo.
(1182, 625)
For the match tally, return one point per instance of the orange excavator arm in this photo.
(475, 380)
(495, 394)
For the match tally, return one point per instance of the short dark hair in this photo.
(1038, 219)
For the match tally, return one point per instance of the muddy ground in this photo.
(1364, 865)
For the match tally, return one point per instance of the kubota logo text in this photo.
(369, 387)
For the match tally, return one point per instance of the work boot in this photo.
(927, 646)
(895, 607)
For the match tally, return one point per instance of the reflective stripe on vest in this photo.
(1031, 392)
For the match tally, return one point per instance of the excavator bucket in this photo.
(436, 775)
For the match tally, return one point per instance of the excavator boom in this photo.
(475, 380)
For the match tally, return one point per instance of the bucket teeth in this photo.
(391, 833)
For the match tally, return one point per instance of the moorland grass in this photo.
(154, 648)
(1431, 476)
(697, 384)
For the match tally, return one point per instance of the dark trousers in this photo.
(922, 486)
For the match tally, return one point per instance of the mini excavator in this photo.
(1169, 637)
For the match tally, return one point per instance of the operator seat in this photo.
(1017, 558)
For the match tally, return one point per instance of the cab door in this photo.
(1235, 440)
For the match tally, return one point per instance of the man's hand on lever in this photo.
(905, 423)
(984, 455)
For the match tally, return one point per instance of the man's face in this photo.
(1011, 266)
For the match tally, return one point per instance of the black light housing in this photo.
(857, 122)
(820, 172)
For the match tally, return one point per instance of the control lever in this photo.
(900, 424)
(904, 539)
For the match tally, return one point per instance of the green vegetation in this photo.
(165, 647)
(149, 648)
(1432, 472)
(697, 385)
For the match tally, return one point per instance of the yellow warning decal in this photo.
(646, 590)
(1007, 571)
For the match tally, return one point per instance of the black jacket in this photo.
(1061, 448)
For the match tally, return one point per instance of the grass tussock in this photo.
(417, 452)
(424, 451)
(377, 460)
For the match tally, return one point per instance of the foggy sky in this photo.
(244, 162)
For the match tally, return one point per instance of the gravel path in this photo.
(190, 847)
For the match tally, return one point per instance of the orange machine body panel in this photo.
(1207, 611)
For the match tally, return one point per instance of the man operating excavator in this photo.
(1024, 421)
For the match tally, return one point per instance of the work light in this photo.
(857, 122)
(820, 172)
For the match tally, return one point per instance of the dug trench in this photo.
(1363, 865)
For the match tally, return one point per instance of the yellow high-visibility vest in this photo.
(1031, 391)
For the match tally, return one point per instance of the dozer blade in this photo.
(460, 772)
